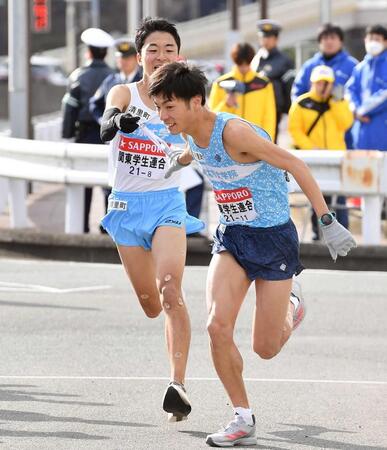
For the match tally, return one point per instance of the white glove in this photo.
(174, 164)
(338, 92)
(338, 239)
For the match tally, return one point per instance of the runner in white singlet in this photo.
(147, 217)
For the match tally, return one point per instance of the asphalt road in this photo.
(82, 368)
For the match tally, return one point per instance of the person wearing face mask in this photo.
(319, 120)
(367, 92)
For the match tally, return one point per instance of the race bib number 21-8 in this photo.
(236, 205)
(142, 158)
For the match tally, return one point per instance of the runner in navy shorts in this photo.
(255, 241)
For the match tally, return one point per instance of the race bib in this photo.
(236, 205)
(142, 158)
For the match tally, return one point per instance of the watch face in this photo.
(326, 219)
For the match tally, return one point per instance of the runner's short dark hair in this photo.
(179, 80)
(328, 29)
(377, 29)
(149, 26)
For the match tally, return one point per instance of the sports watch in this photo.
(327, 219)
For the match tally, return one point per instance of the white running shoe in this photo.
(237, 432)
(176, 402)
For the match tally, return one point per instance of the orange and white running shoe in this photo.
(237, 432)
(297, 298)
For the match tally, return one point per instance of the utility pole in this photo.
(149, 8)
(325, 11)
(19, 98)
(263, 8)
(233, 8)
(95, 13)
(133, 16)
(19, 68)
(233, 35)
(71, 36)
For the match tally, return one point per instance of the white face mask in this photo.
(373, 48)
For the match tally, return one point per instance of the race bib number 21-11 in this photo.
(236, 205)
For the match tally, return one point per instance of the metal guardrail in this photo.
(355, 173)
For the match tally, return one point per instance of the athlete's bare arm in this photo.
(244, 145)
(118, 97)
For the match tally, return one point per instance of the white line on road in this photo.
(254, 380)
(21, 287)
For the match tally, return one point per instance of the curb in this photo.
(26, 243)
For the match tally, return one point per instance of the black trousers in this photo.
(88, 133)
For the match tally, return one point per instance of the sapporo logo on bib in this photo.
(236, 205)
(142, 157)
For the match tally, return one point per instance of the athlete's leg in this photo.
(273, 320)
(139, 266)
(169, 253)
(227, 285)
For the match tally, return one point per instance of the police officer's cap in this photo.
(95, 37)
(268, 27)
(125, 48)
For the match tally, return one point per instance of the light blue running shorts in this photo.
(133, 217)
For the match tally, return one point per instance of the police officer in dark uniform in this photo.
(128, 71)
(275, 65)
(78, 123)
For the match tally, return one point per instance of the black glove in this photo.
(126, 122)
(114, 120)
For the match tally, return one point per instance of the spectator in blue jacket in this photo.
(367, 92)
(330, 39)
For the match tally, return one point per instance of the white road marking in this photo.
(254, 380)
(22, 287)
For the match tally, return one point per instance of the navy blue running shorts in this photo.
(267, 253)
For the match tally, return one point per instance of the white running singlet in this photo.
(139, 164)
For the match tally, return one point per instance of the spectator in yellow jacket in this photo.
(318, 120)
(244, 92)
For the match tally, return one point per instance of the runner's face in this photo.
(176, 113)
(159, 48)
